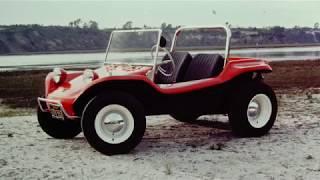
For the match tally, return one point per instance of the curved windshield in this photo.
(133, 47)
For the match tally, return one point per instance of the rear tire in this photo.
(252, 109)
(59, 129)
(114, 123)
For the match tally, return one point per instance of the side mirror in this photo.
(163, 42)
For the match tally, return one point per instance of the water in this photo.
(46, 61)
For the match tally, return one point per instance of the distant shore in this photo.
(182, 48)
(56, 52)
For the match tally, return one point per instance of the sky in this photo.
(109, 14)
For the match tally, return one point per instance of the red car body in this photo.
(111, 102)
(71, 89)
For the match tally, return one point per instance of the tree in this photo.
(77, 22)
(166, 26)
(316, 25)
(71, 24)
(85, 25)
(163, 25)
(228, 24)
(93, 25)
(127, 25)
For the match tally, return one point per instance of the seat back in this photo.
(204, 66)
(181, 61)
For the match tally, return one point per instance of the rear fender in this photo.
(241, 67)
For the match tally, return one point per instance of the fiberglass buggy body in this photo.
(109, 104)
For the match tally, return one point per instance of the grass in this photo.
(167, 168)
(6, 111)
(294, 74)
(20, 89)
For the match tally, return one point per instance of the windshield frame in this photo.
(228, 37)
(130, 31)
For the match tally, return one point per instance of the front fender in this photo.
(140, 87)
(51, 86)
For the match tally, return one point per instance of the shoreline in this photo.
(277, 46)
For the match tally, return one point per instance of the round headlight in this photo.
(57, 75)
(88, 75)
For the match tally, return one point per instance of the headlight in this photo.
(89, 75)
(59, 75)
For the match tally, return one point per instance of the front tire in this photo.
(59, 129)
(252, 110)
(114, 123)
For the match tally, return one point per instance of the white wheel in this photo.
(253, 110)
(259, 110)
(114, 124)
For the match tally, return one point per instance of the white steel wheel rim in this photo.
(114, 124)
(259, 110)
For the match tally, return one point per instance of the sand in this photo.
(174, 150)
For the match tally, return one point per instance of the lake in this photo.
(44, 61)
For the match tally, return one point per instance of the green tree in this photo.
(316, 25)
(85, 25)
(93, 25)
(127, 25)
(163, 25)
(77, 22)
(71, 24)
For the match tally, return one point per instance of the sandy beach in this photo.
(170, 149)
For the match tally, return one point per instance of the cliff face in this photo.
(36, 38)
(46, 39)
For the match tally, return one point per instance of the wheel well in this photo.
(139, 89)
(253, 75)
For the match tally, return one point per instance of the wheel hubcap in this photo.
(259, 110)
(114, 124)
(253, 109)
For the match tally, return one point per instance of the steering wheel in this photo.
(170, 60)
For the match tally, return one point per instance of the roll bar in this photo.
(228, 33)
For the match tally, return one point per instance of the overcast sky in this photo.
(153, 12)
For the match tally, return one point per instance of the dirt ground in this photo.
(174, 150)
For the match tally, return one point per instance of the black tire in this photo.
(113, 98)
(239, 104)
(59, 129)
(184, 117)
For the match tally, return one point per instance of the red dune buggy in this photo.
(142, 77)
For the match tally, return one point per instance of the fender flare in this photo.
(141, 89)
